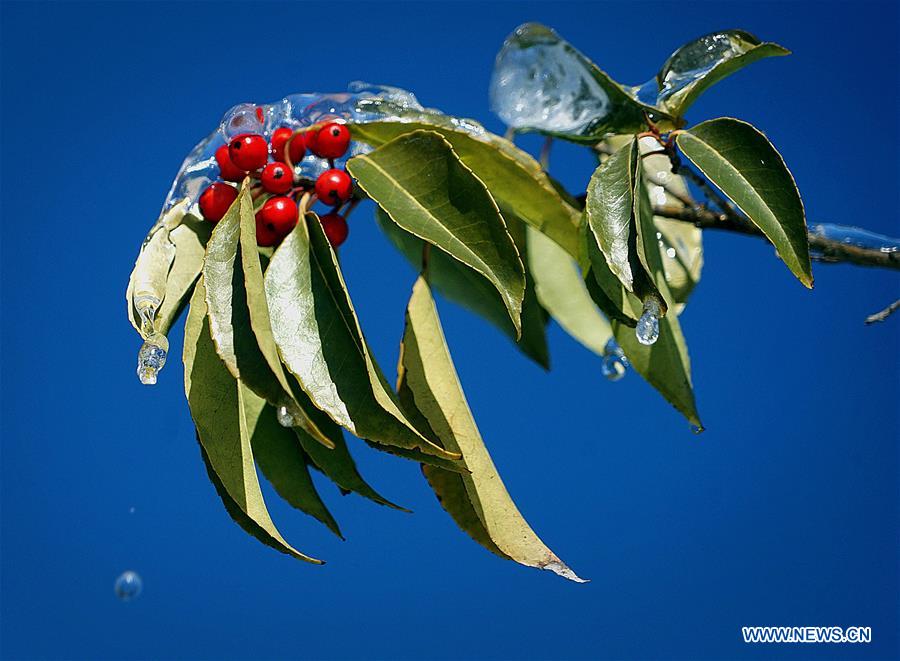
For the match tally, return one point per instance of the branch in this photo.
(827, 250)
(884, 314)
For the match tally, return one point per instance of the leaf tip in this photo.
(560, 568)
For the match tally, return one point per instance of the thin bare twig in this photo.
(883, 314)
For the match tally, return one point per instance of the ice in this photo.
(647, 329)
(128, 586)
(285, 418)
(362, 102)
(152, 358)
(541, 82)
(692, 62)
(855, 236)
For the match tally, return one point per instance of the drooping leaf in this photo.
(283, 462)
(477, 500)
(543, 83)
(217, 403)
(237, 310)
(561, 291)
(321, 343)
(514, 179)
(701, 63)
(470, 289)
(187, 235)
(427, 190)
(611, 212)
(745, 166)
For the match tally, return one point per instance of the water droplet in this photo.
(285, 418)
(128, 586)
(647, 329)
(614, 364)
(698, 429)
(152, 358)
(131, 510)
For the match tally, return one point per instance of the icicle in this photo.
(647, 329)
(615, 364)
(152, 357)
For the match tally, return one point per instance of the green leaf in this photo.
(561, 291)
(321, 343)
(514, 179)
(536, 66)
(238, 312)
(612, 213)
(477, 500)
(744, 165)
(283, 462)
(468, 288)
(217, 402)
(701, 63)
(185, 236)
(425, 188)
(337, 463)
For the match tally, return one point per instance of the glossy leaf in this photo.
(283, 461)
(217, 402)
(701, 63)
(561, 291)
(238, 313)
(423, 186)
(745, 166)
(468, 288)
(321, 343)
(514, 179)
(477, 500)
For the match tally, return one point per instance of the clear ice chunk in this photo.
(152, 358)
(541, 82)
(647, 329)
(242, 118)
(614, 364)
(285, 418)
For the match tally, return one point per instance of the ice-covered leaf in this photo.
(470, 289)
(561, 291)
(477, 500)
(239, 315)
(543, 83)
(423, 186)
(321, 343)
(744, 165)
(701, 63)
(217, 402)
(282, 460)
(514, 179)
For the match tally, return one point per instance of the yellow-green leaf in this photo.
(477, 500)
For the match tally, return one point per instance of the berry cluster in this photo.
(249, 155)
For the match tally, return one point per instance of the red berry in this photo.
(277, 178)
(309, 139)
(332, 141)
(228, 170)
(249, 151)
(336, 228)
(260, 115)
(297, 148)
(334, 186)
(275, 220)
(215, 201)
(280, 136)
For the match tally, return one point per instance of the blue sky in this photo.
(785, 512)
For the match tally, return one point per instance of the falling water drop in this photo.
(285, 417)
(128, 586)
(614, 364)
(152, 358)
(698, 429)
(647, 329)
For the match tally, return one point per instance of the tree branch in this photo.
(826, 250)
(883, 314)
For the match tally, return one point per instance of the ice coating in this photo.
(647, 329)
(614, 364)
(855, 236)
(541, 82)
(692, 62)
(361, 103)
